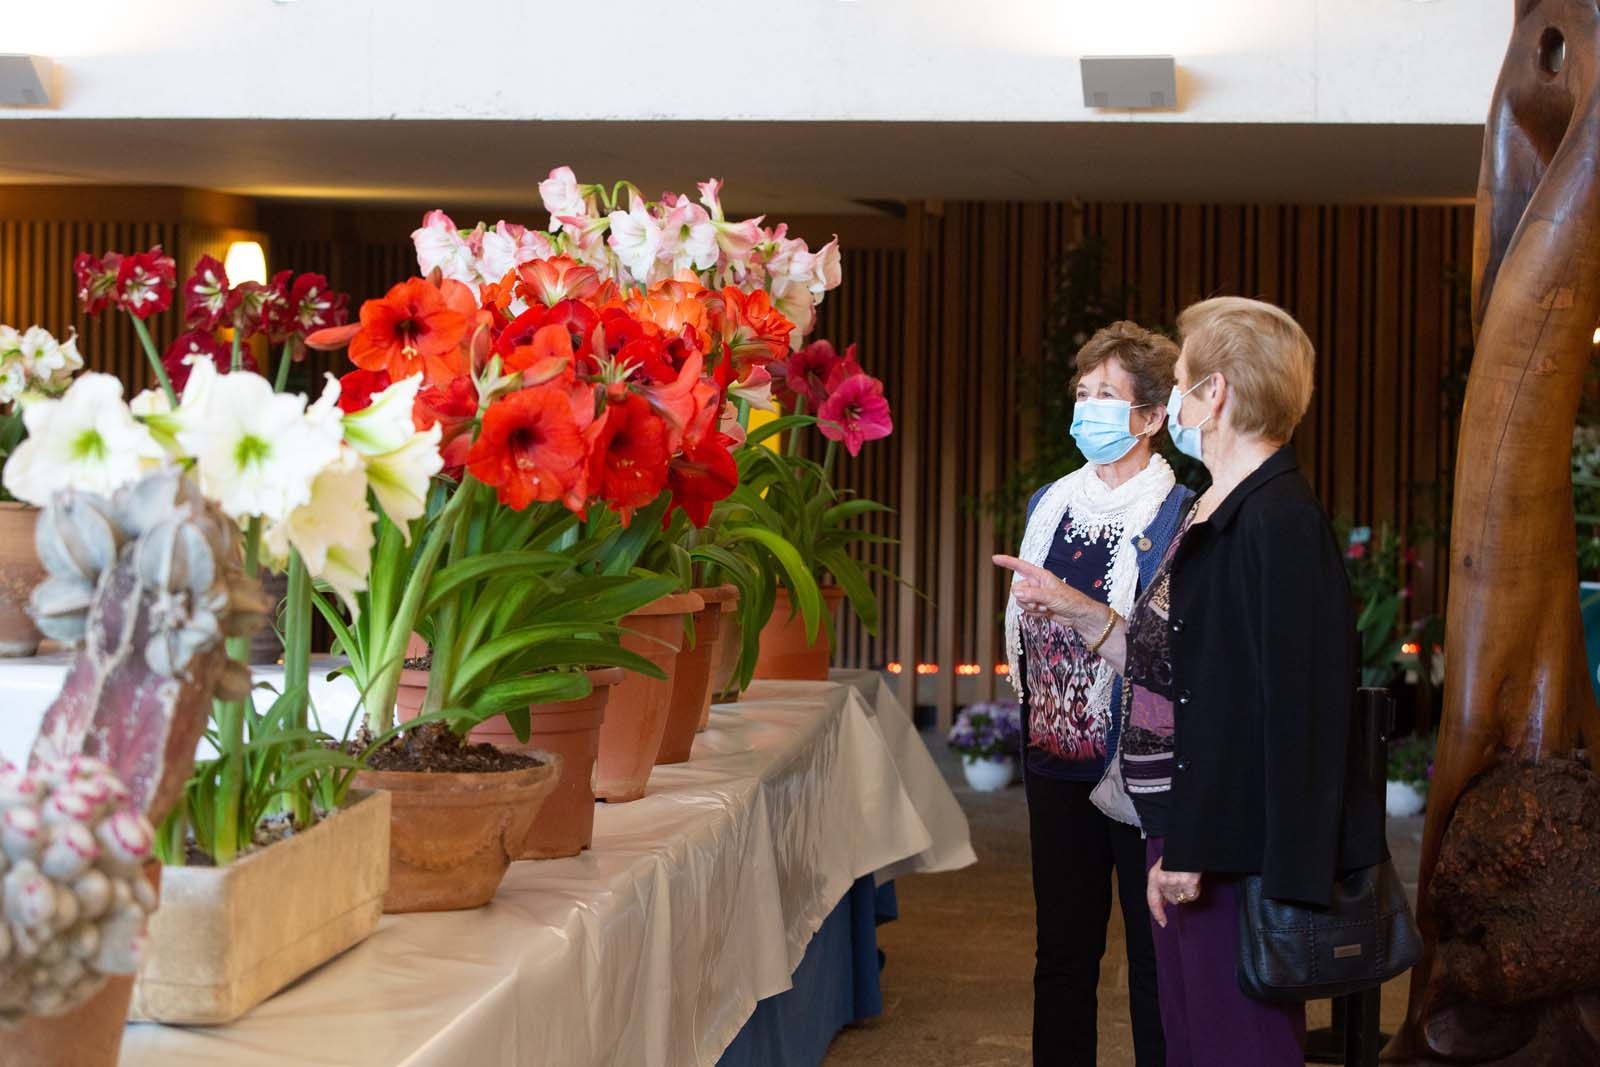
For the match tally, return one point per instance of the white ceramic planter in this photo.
(227, 938)
(989, 775)
(1402, 800)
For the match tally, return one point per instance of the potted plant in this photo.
(271, 812)
(1410, 771)
(989, 738)
(1376, 562)
(33, 365)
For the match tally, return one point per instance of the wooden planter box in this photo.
(227, 938)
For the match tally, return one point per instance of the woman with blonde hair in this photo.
(1242, 661)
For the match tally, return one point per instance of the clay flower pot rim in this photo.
(599, 676)
(717, 594)
(16, 505)
(458, 781)
(672, 604)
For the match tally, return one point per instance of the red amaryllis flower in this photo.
(256, 308)
(97, 280)
(805, 374)
(412, 326)
(546, 356)
(453, 406)
(550, 281)
(313, 306)
(855, 413)
(200, 344)
(358, 387)
(847, 367)
(530, 448)
(205, 295)
(628, 455)
(753, 331)
(704, 474)
(145, 282)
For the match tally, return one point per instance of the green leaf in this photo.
(520, 692)
(477, 568)
(801, 585)
(855, 586)
(851, 509)
(777, 426)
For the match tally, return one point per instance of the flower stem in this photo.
(237, 359)
(283, 366)
(794, 434)
(230, 836)
(150, 352)
(827, 463)
(297, 662)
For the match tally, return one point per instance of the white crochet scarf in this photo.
(1097, 510)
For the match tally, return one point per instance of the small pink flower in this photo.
(1356, 551)
(856, 413)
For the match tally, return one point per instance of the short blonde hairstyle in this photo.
(1262, 353)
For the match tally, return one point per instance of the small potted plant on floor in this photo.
(988, 738)
(1410, 771)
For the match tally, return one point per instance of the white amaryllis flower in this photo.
(385, 424)
(562, 196)
(13, 377)
(257, 452)
(50, 363)
(332, 531)
(399, 478)
(152, 408)
(507, 247)
(10, 341)
(793, 297)
(440, 245)
(636, 239)
(87, 439)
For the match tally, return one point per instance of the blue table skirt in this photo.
(835, 984)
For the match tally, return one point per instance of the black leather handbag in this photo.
(1290, 952)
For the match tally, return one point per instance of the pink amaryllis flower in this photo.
(145, 282)
(205, 295)
(856, 413)
(806, 374)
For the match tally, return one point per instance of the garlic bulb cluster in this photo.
(72, 884)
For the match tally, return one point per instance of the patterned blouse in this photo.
(1065, 738)
(1147, 742)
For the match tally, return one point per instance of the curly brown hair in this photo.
(1147, 356)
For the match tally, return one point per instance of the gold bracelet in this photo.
(1112, 618)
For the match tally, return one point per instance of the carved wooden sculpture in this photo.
(1509, 897)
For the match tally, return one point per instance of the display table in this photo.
(654, 948)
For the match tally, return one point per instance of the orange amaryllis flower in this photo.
(547, 355)
(753, 332)
(628, 456)
(672, 305)
(416, 326)
(550, 281)
(530, 447)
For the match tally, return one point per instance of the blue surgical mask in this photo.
(1186, 438)
(1100, 428)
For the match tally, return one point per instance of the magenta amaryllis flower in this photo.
(145, 282)
(806, 375)
(855, 413)
(97, 280)
(205, 295)
(313, 306)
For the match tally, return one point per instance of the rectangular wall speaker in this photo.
(1130, 81)
(27, 81)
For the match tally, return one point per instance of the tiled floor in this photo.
(958, 984)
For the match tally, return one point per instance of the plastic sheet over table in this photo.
(654, 947)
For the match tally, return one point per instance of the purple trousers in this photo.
(1208, 1021)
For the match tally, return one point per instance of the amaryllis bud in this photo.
(19, 832)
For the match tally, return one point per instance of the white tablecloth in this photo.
(652, 948)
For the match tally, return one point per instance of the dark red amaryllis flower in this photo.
(205, 295)
(530, 448)
(97, 280)
(256, 308)
(805, 374)
(847, 367)
(628, 455)
(145, 282)
(200, 344)
(358, 387)
(313, 306)
(701, 475)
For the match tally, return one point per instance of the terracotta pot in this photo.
(569, 729)
(210, 959)
(89, 1035)
(636, 716)
(724, 687)
(785, 652)
(451, 835)
(20, 572)
(691, 679)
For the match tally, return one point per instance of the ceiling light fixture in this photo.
(27, 81)
(1130, 82)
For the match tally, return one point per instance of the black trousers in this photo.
(1075, 849)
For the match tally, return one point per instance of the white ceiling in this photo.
(768, 166)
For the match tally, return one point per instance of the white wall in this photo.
(1284, 61)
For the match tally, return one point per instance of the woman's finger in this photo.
(1152, 896)
(1023, 567)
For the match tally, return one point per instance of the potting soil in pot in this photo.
(432, 748)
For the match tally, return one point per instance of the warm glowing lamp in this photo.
(245, 262)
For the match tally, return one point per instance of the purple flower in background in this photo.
(988, 730)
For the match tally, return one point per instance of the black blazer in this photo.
(1265, 667)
